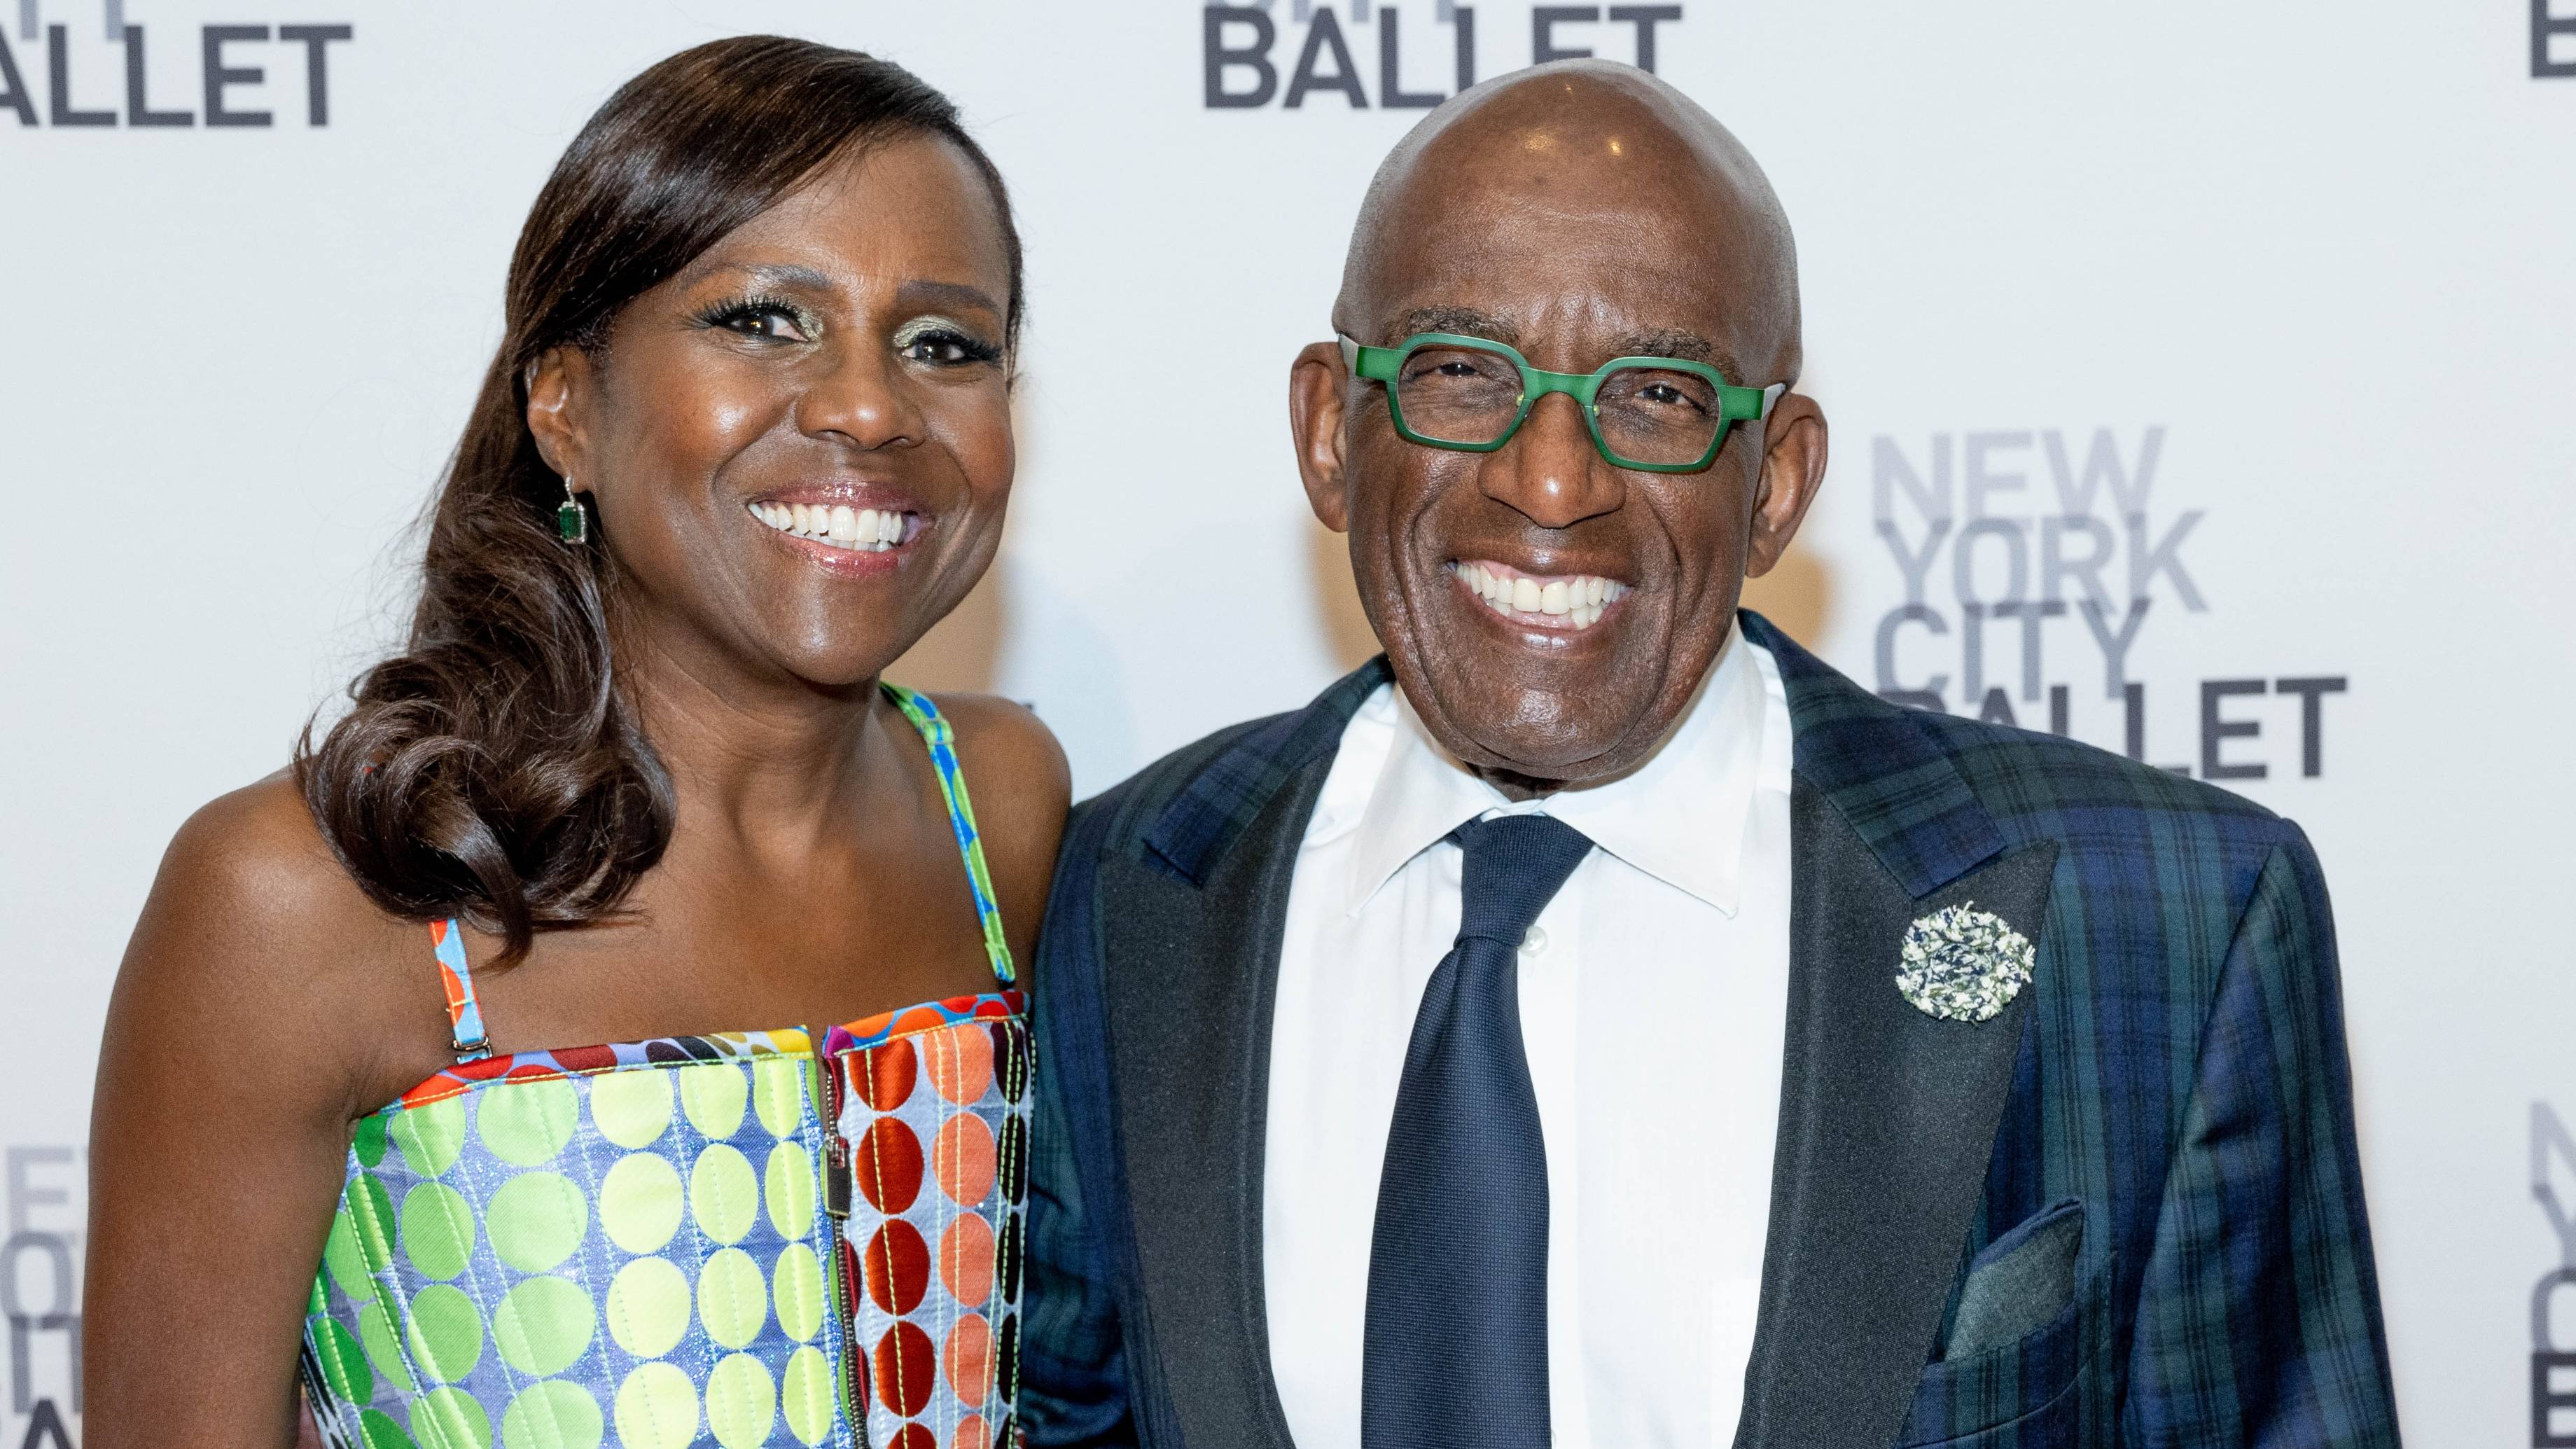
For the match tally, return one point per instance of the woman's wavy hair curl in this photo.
(493, 769)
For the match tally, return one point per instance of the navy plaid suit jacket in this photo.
(2127, 1211)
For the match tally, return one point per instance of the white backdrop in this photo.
(2262, 315)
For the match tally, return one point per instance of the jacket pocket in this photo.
(2019, 1392)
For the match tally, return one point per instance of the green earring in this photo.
(572, 521)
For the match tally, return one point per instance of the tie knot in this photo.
(1515, 864)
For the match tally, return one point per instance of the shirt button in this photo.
(1535, 941)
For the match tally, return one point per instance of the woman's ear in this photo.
(1316, 386)
(559, 402)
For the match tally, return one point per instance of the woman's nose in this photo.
(863, 399)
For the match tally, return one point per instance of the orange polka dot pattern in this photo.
(937, 1123)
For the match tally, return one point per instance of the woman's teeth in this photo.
(1576, 599)
(864, 529)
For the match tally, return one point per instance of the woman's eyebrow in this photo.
(776, 274)
(920, 293)
(945, 294)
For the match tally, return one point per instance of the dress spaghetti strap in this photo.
(456, 979)
(935, 732)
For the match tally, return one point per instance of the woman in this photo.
(634, 780)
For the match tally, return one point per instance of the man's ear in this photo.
(1793, 468)
(1317, 388)
(560, 384)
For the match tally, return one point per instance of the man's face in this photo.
(1574, 248)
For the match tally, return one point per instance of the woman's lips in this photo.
(1572, 602)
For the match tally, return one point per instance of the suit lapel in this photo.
(1887, 1115)
(1191, 934)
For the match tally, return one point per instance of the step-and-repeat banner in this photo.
(2202, 379)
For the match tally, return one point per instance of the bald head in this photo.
(1549, 609)
(1580, 144)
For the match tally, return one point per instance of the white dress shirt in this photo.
(1653, 995)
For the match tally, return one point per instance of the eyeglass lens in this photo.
(1471, 396)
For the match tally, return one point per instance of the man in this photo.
(1598, 1021)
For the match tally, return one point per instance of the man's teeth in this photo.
(1577, 599)
(864, 529)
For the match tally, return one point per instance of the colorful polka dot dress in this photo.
(734, 1239)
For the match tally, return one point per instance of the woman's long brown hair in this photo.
(493, 769)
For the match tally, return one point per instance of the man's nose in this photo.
(864, 400)
(1550, 472)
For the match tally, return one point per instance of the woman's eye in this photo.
(772, 322)
(944, 349)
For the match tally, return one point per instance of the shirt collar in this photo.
(1679, 816)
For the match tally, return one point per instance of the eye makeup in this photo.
(756, 314)
(946, 343)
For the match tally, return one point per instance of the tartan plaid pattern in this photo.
(1195, 822)
(2183, 1076)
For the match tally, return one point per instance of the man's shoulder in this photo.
(2018, 771)
(2032, 786)
(2111, 816)
(1188, 806)
(1121, 816)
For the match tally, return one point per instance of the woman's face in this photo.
(799, 447)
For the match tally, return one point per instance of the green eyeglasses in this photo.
(1658, 414)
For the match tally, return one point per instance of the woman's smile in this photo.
(849, 530)
(866, 530)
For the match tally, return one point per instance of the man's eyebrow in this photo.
(1464, 321)
(1657, 342)
(1689, 346)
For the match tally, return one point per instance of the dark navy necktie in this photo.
(1456, 1339)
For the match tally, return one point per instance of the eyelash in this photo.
(971, 350)
(740, 309)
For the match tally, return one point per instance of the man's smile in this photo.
(1570, 603)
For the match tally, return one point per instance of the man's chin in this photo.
(1532, 736)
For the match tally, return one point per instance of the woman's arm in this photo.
(259, 1010)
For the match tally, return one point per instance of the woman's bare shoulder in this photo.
(1022, 787)
(254, 861)
(255, 932)
(1011, 757)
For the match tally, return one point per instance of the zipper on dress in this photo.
(836, 1157)
(845, 1293)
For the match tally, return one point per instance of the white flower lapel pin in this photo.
(1963, 964)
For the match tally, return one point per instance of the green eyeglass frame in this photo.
(1386, 365)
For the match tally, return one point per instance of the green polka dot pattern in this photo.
(634, 1256)
(627, 1245)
